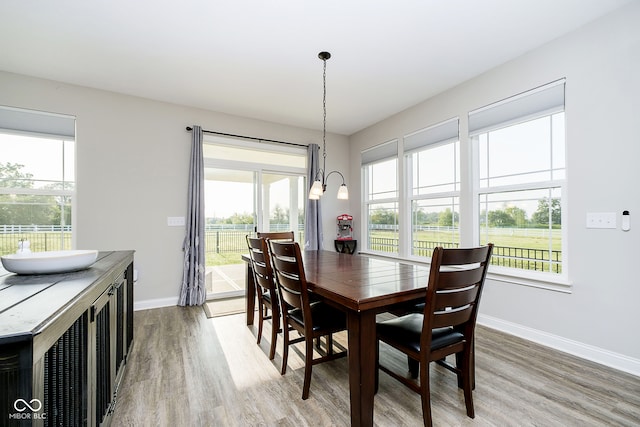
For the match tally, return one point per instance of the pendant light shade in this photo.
(343, 192)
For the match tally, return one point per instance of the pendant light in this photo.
(320, 183)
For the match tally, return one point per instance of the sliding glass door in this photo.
(249, 187)
(230, 215)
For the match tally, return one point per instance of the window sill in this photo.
(536, 280)
(548, 281)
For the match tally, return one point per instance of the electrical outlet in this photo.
(175, 221)
(601, 220)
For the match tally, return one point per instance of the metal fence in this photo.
(505, 256)
(232, 241)
(40, 240)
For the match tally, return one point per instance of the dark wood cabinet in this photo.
(64, 340)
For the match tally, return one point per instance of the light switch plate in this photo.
(175, 221)
(601, 220)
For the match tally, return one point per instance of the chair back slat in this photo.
(290, 291)
(459, 298)
(453, 317)
(465, 256)
(452, 279)
(276, 235)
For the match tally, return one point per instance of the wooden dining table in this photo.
(362, 286)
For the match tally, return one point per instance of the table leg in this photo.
(250, 294)
(362, 365)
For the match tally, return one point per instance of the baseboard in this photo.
(154, 303)
(584, 351)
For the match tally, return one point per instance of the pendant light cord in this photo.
(324, 113)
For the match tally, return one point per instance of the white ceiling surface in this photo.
(258, 58)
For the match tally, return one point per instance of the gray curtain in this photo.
(312, 214)
(193, 291)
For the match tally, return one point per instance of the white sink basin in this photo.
(49, 262)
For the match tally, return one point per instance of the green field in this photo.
(531, 238)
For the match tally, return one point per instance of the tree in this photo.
(12, 177)
(519, 216)
(500, 219)
(447, 218)
(279, 215)
(426, 218)
(243, 218)
(384, 216)
(19, 208)
(541, 216)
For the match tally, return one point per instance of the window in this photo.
(433, 169)
(521, 174)
(380, 191)
(37, 179)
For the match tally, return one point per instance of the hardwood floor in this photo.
(187, 370)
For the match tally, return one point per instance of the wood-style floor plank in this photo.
(187, 370)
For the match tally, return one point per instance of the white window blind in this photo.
(380, 152)
(40, 122)
(542, 101)
(446, 131)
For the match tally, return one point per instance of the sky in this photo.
(47, 165)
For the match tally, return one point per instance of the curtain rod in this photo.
(189, 128)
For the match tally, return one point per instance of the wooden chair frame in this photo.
(446, 327)
(318, 318)
(266, 293)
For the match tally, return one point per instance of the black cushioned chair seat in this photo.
(407, 330)
(324, 317)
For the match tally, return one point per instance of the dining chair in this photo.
(277, 235)
(286, 236)
(305, 314)
(265, 289)
(446, 326)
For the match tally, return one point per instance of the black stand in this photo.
(345, 246)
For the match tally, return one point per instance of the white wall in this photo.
(601, 63)
(133, 157)
(132, 167)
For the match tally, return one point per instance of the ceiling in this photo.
(259, 58)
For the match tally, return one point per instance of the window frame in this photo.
(435, 136)
(549, 109)
(369, 158)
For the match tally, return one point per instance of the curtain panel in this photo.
(193, 291)
(313, 217)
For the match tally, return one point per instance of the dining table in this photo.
(362, 286)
